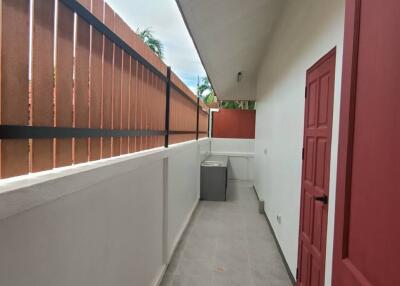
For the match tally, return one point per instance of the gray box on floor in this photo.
(214, 178)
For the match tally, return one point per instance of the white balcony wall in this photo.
(183, 191)
(305, 32)
(103, 223)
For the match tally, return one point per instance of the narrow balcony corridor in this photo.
(228, 244)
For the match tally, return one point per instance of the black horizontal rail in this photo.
(184, 94)
(39, 132)
(42, 132)
(92, 20)
(184, 132)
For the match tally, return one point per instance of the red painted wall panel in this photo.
(232, 123)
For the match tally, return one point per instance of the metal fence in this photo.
(78, 85)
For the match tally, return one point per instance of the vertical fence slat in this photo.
(146, 106)
(112, 90)
(158, 110)
(139, 106)
(64, 83)
(117, 99)
(118, 77)
(86, 3)
(151, 108)
(162, 109)
(133, 104)
(142, 106)
(125, 100)
(14, 99)
(154, 108)
(126, 78)
(97, 8)
(108, 82)
(82, 88)
(160, 105)
(42, 100)
(126, 69)
(172, 116)
(96, 82)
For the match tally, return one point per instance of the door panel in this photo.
(315, 179)
(367, 231)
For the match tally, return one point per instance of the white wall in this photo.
(183, 188)
(101, 223)
(306, 31)
(241, 156)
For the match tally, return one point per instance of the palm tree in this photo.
(153, 43)
(207, 94)
(205, 91)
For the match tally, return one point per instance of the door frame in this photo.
(314, 66)
(346, 137)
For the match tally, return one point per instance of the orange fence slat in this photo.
(107, 94)
(163, 89)
(142, 106)
(97, 8)
(133, 104)
(116, 141)
(82, 55)
(123, 31)
(159, 104)
(42, 96)
(14, 96)
(86, 3)
(108, 82)
(150, 114)
(96, 83)
(125, 100)
(146, 80)
(64, 83)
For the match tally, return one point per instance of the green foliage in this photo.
(230, 105)
(153, 43)
(205, 91)
(239, 104)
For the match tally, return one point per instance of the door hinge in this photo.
(305, 93)
(297, 274)
(302, 154)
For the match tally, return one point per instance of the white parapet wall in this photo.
(111, 222)
(241, 156)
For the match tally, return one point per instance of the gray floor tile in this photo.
(228, 244)
(232, 280)
(187, 280)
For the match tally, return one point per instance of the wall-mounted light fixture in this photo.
(239, 76)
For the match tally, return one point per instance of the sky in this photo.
(165, 20)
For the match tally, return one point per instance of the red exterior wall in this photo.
(231, 123)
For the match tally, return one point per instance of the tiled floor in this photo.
(228, 244)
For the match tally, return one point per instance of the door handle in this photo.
(323, 199)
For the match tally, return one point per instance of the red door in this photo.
(315, 178)
(367, 223)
